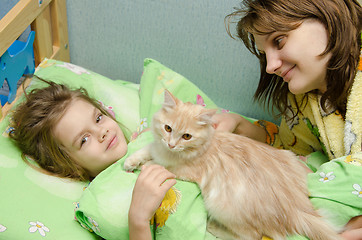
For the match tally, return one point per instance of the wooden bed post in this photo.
(48, 18)
(55, 45)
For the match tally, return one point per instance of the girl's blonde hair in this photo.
(342, 20)
(33, 122)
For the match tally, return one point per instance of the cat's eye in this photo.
(168, 128)
(186, 136)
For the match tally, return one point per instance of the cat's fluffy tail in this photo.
(315, 228)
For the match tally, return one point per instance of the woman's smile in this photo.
(287, 74)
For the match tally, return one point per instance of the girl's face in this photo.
(92, 139)
(295, 56)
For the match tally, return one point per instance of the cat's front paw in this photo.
(137, 159)
(132, 163)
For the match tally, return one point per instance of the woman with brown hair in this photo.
(310, 71)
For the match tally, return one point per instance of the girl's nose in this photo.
(273, 62)
(103, 134)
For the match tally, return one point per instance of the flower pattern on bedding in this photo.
(326, 177)
(358, 190)
(2, 228)
(94, 225)
(38, 226)
(336, 189)
(143, 124)
(162, 76)
(109, 109)
(143, 127)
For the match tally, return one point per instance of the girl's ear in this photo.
(170, 101)
(206, 117)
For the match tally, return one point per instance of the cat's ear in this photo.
(206, 117)
(170, 101)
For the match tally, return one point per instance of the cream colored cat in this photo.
(250, 189)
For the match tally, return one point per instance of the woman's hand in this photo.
(151, 186)
(234, 123)
(227, 122)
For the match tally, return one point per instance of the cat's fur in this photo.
(250, 189)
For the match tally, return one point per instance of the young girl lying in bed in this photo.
(71, 135)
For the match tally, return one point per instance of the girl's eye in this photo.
(187, 136)
(99, 117)
(83, 141)
(168, 128)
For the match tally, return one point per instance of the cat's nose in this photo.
(171, 146)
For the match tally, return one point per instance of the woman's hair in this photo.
(342, 20)
(33, 122)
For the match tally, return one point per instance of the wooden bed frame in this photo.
(48, 18)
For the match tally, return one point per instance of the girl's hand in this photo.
(151, 186)
(149, 191)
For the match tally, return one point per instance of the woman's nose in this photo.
(273, 62)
